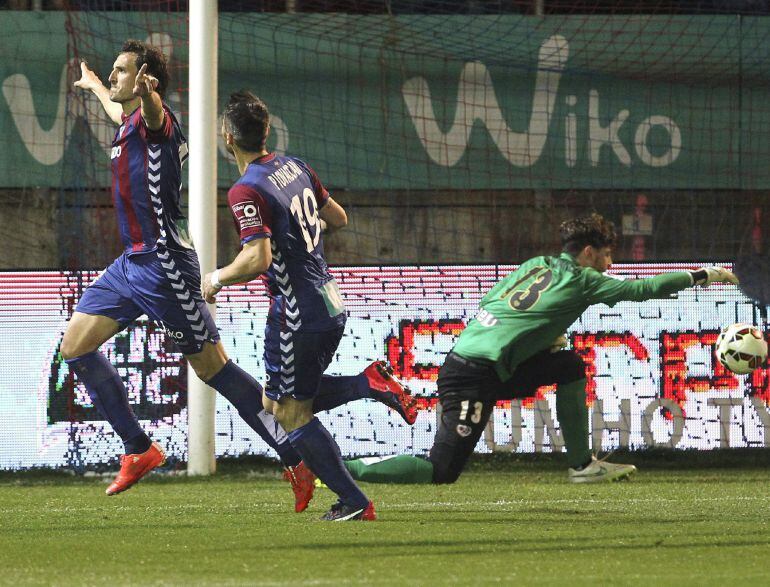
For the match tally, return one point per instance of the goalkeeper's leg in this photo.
(464, 416)
(567, 370)
(455, 440)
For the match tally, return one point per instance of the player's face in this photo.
(228, 145)
(602, 259)
(122, 78)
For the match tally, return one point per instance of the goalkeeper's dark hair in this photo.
(157, 64)
(594, 230)
(247, 118)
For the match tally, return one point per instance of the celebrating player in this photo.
(513, 346)
(280, 208)
(158, 274)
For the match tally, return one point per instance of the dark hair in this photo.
(157, 65)
(247, 118)
(594, 230)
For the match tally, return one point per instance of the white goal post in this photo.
(202, 100)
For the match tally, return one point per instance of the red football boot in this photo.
(302, 482)
(134, 467)
(390, 391)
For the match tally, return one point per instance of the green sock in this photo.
(572, 412)
(391, 469)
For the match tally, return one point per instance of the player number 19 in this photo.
(306, 213)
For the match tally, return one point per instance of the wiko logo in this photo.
(477, 100)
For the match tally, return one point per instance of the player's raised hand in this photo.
(208, 289)
(717, 275)
(145, 84)
(88, 79)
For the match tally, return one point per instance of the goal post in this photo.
(201, 408)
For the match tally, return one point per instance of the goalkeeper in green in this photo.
(514, 345)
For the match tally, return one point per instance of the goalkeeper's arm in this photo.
(601, 289)
(708, 275)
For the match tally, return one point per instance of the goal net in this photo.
(458, 135)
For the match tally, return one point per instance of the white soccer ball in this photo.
(741, 348)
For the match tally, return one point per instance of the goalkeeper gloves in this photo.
(708, 275)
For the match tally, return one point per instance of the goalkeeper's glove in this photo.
(708, 275)
(558, 344)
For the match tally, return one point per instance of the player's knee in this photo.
(70, 349)
(292, 414)
(445, 474)
(571, 367)
(206, 364)
(204, 372)
(67, 351)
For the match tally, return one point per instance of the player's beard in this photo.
(121, 96)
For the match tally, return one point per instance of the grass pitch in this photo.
(504, 522)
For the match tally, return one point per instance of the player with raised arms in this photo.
(514, 345)
(158, 274)
(280, 208)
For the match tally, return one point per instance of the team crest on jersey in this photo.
(464, 430)
(486, 318)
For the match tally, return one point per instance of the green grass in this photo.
(520, 525)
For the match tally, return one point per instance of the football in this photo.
(741, 348)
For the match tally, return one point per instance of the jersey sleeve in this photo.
(321, 193)
(251, 213)
(164, 133)
(602, 289)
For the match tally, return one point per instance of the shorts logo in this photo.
(175, 334)
(464, 430)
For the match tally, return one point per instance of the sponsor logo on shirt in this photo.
(247, 214)
(486, 319)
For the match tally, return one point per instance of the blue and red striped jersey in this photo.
(279, 198)
(147, 182)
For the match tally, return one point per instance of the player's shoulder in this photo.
(244, 187)
(302, 164)
(539, 261)
(172, 116)
(298, 160)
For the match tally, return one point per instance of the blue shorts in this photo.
(296, 360)
(165, 285)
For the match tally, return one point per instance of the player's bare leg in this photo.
(245, 393)
(85, 333)
(209, 361)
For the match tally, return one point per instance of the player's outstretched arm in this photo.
(90, 81)
(601, 289)
(333, 215)
(152, 105)
(253, 260)
(708, 275)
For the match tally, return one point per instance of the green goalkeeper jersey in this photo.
(525, 312)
